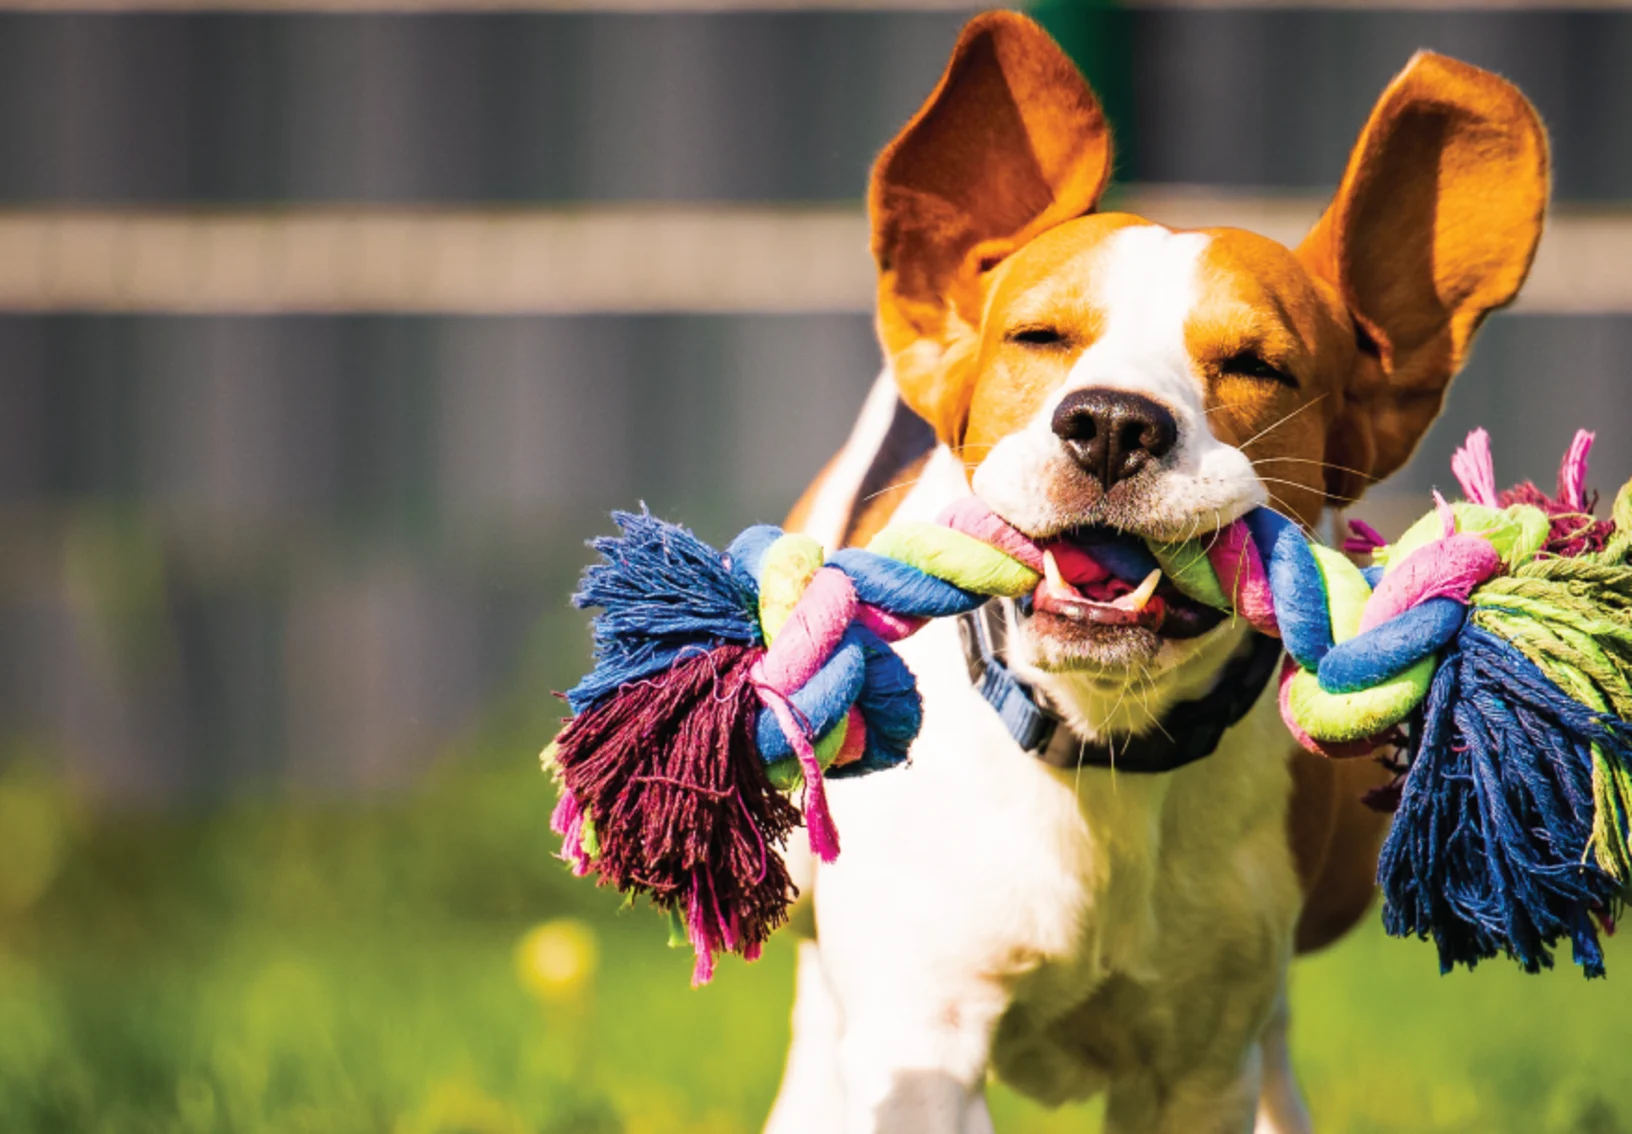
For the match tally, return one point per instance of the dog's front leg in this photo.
(913, 1060)
(1202, 1102)
(1281, 1109)
(951, 884)
(889, 1064)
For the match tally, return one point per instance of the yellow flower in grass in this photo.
(556, 959)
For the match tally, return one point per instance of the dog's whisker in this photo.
(1256, 461)
(1286, 510)
(1144, 684)
(1076, 780)
(1288, 483)
(1110, 725)
(893, 487)
(1218, 530)
(1267, 430)
(1268, 480)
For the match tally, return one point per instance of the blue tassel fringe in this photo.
(1488, 852)
(662, 591)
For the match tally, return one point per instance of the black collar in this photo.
(1187, 732)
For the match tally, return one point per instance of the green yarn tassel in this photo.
(1619, 548)
(1573, 619)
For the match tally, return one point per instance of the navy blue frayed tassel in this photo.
(1488, 852)
(662, 591)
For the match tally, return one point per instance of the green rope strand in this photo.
(1573, 619)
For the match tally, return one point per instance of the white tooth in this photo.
(1051, 572)
(1139, 597)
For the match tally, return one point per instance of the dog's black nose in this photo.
(1112, 433)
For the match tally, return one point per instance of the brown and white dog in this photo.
(1087, 930)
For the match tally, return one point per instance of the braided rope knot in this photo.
(1363, 657)
(1361, 643)
(1498, 621)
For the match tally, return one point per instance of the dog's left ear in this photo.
(1433, 227)
(1010, 143)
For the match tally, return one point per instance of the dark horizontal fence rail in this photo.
(440, 107)
(434, 426)
(257, 107)
(417, 423)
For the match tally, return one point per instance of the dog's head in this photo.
(1101, 374)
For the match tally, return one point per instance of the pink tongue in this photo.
(1077, 565)
(1081, 569)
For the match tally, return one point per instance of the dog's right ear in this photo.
(1432, 228)
(1011, 142)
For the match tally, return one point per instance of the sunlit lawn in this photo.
(335, 969)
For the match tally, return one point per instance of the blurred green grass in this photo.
(342, 967)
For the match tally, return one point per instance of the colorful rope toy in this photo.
(1491, 645)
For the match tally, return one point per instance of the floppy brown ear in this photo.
(1433, 227)
(1010, 143)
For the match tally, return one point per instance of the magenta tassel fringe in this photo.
(824, 835)
(1363, 539)
(1475, 469)
(1574, 530)
(567, 820)
(682, 809)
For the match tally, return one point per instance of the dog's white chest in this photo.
(1098, 917)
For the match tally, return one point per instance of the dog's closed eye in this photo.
(1036, 336)
(1251, 364)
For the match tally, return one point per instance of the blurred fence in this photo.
(328, 337)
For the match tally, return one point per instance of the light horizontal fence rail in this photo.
(373, 259)
(620, 259)
(358, 106)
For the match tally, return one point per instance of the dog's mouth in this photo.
(1103, 583)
